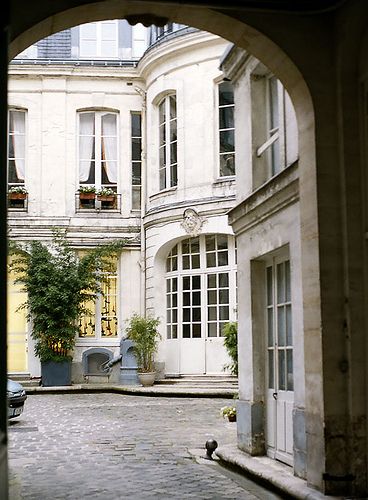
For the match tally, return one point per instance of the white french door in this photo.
(200, 300)
(279, 369)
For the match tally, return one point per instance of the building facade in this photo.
(146, 116)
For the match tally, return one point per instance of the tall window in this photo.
(226, 129)
(200, 287)
(136, 131)
(16, 148)
(103, 320)
(274, 128)
(98, 151)
(168, 166)
(99, 40)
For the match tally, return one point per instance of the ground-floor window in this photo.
(102, 322)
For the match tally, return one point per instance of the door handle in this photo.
(274, 395)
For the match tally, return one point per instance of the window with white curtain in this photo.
(97, 40)
(98, 150)
(16, 147)
(168, 166)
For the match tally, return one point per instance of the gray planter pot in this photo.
(56, 373)
(147, 379)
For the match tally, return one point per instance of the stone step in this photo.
(24, 379)
(201, 381)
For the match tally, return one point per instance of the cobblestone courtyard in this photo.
(112, 446)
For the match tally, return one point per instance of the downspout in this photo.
(142, 261)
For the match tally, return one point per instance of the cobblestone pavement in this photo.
(112, 446)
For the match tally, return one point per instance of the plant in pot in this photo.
(231, 345)
(229, 412)
(17, 193)
(87, 195)
(58, 284)
(107, 197)
(144, 333)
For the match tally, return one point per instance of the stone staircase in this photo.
(25, 379)
(201, 381)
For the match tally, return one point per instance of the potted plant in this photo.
(143, 332)
(87, 192)
(17, 193)
(106, 196)
(231, 345)
(58, 286)
(229, 412)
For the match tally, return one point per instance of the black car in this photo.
(16, 398)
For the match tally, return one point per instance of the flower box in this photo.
(87, 196)
(17, 196)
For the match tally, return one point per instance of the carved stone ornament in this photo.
(192, 222)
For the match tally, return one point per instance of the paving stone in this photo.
(113, 446)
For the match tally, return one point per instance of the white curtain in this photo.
(18, 137)
(109, 147)
(86, 144)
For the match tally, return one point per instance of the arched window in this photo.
(200, 287)
(168, 166)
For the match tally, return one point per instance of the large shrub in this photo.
(58, 284)
(144, 333)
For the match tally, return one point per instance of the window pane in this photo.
(223, 280)
(280, 283)
(271, 382)
(136, 148)
(211, 297)
(186, 283)
(226, 117)
(194, 245)
(211, 260)
(224, 296)
(281, 326)
(289, 332)
(227, 164)
(186, 331)
(186, 299)
(136, 125)
(224, 313)
(223, 259)
(269, 286)
(172, 106)
(196, 298)
(212, 330)
(186, 263)
(227, 141)
(211, 281)
(210, 243)
(282, 370)
(196, 314)
(226, 93)
(173, 157)
(196, 331)
(212, 313)
(186, 315)
(222, 242)
(270, 326)
(290, 375)
(195, 262)
(287, 281)
(196, 282)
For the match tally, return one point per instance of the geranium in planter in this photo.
(58, 285)
(87, 195)
(17, 193)
(143, 332)
(107, 197)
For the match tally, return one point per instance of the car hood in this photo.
(14, 386)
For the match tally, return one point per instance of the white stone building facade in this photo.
(158, 131)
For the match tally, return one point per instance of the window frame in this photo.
(168, 170)
(98, 41)
(221, 130)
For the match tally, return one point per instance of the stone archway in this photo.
(262, 47)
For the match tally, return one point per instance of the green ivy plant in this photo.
(144, 333)
(231, 345)
(59, 284)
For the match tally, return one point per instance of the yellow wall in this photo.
(17, 329)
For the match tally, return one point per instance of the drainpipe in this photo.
(142, 262)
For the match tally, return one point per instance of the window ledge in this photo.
(225, 180)
(163, 192)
